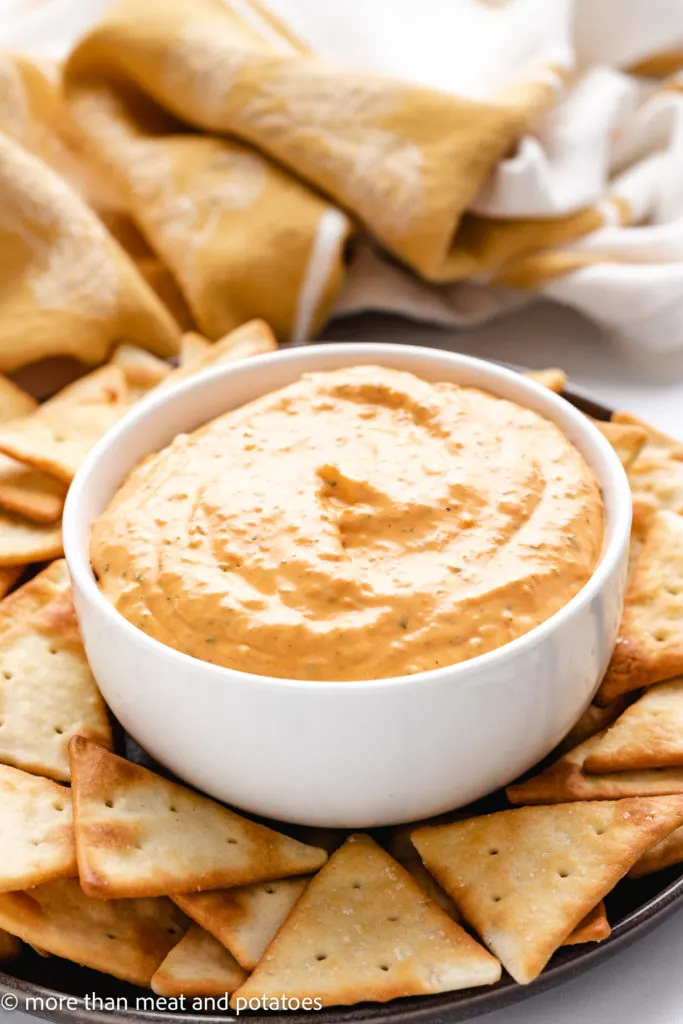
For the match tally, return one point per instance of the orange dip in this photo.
(358, 524)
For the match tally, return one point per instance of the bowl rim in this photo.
(618, 524)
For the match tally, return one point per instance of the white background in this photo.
(643, 984)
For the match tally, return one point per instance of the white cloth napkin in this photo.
(614, 138)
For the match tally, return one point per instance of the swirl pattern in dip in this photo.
(358, 524)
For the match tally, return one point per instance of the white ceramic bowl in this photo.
(352, 754)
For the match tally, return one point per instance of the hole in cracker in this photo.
(173, 810)
(231, 842)
(109, 804)
(496, 899)
(321, 956)
(269, 889)
(392, 918)
(384, 967)
(356, 885)
(110, 935)
(493, 852)
(7, 675)
(564, 874)
(600, 831)
(59, 730)
(53, 650)
(57, 806)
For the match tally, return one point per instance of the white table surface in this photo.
(643, 984)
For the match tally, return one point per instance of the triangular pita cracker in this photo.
(662, 855)
(524, 879)
(594, 928)
(142, 370)
(645, 510)
(14, 401)
(10, 947)
(593, 720)
(23, 541)
(251, 339)
(57, 437)
(198, 966)
(22, 490)
(649, 647)
(565, 780)
(657, 472)
(36, 831)
(47, 691)
(552, 378)
(626, 439)
(30, 493)
(365, 930)
(246, 918)
(126, 938)
(24, 602)
(193, 347)
(138, 834)
(649, 734)
(402, 849)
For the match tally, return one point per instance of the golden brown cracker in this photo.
(526, 878)
(594, 928)
(142, 370)
(566, 780)
(552, 378)
(126, 938)
(47, 691)
(649, 734)
(364, 930)
(657, 472)
(649, 647)
(246, 918)
(627, 439)
(29, 492)
(193, 348)
(57, 437)
(138, 834)
(663, 854)
(251, 339)
(30, 598)
(198, 966)
(592, 721)
(23, 541)
(36, 831)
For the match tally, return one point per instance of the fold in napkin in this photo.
(202, 162)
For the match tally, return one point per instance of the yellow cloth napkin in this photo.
(403, 160)
(194, 164)
(66, 287)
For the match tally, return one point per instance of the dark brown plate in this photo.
(633, 908)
